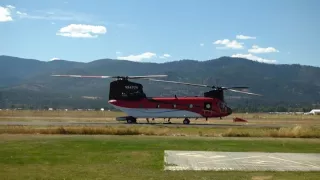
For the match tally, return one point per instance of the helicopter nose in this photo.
(112, 101)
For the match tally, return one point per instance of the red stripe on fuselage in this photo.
(181, 103)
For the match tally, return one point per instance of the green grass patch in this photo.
(129, 157)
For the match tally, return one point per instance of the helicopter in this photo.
(129, 97)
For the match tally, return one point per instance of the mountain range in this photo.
(28, 82)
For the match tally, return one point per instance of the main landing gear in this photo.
(131, 120)
(186, 121)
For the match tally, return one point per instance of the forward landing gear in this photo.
(186, 121)
(168, 120)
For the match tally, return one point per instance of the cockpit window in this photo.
(222, 106)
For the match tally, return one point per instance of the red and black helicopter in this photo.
(130, 98)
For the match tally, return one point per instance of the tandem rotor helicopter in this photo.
(129, 97)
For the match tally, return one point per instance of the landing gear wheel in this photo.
(186, 121)
(131, 120)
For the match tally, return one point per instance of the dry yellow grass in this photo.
(304, 126)
(286, 132)
(83, 130)
(109, 116)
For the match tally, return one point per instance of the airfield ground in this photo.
(38, 151)
(93, 122)
(130, 157)
(109, 117)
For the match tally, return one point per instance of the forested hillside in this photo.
(27, 83)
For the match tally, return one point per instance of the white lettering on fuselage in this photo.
(131, 87)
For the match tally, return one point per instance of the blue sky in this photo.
(284, 32)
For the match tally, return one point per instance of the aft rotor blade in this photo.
(237, 87)
(147, 76)
(244, 92)
(176, 82)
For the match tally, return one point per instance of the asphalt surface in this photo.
(116, 123)
(241, 161)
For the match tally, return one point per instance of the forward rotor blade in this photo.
(128, 77)
(82, 76)
(176, 82)
(244, 92)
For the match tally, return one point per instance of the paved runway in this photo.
(70, 123)
(241, 161)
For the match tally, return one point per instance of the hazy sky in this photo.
(274, 31)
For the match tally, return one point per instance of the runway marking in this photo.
(232, 159)
(241, 161)
(294, 162)
(199, 155)
(217, 156)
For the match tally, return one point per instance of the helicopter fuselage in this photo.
(173, 107)
(130, 98)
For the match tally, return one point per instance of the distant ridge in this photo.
(28, 81)
(3, 57)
